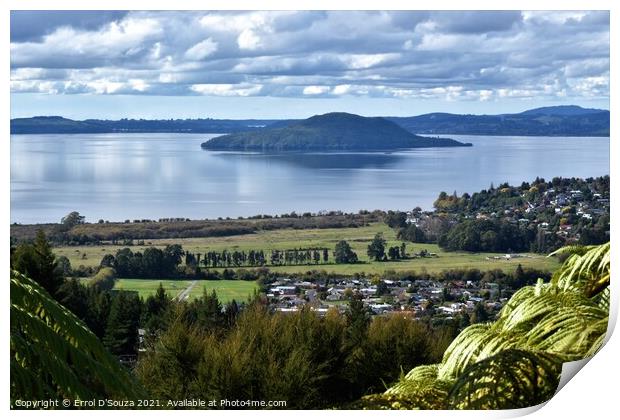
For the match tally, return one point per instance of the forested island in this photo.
(337, 131)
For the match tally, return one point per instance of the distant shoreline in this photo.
(558, 121)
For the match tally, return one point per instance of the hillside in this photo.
(336, 131)
(60, 125)
(549, 121)
(565, 120)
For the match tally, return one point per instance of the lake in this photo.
(150, 176)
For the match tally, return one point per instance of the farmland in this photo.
(358, 238)
(226, 290)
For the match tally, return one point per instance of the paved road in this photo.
(185, 293)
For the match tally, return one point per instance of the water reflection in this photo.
(321, 160)
(131, 176)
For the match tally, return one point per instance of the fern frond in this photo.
(54, 354)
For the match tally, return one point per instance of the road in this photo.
(185, 293)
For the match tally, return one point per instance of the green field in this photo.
(148, 287)
(358, 238)
(226, 290)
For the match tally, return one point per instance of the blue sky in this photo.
(289, 64)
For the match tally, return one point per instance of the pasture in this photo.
(358, 238)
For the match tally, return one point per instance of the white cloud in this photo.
(341, 89)
(248, 40)
(201, 50)
(315, 90)
(226, 89)
(428, 55)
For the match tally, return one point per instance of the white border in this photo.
(591, 395)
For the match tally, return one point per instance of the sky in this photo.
(294, 64)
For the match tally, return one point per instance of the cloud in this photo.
(452, 56)
(201, 50)
(32, 25)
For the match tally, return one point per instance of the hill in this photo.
(336, 131)
(561, 110)
(60, 125)
(567, 120)
(53, 125)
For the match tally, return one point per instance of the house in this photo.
(380, 308)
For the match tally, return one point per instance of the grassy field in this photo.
(148, 287)
(226, 290)
(358, 238)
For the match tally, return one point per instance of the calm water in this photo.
(148, 176)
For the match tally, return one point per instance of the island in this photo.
(332, 132)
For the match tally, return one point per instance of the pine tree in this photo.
(38, 262)
(121, 335)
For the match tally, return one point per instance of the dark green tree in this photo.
(343, 254)
(38, 262)
(155, 308)
(479, 314)
(376, 249)
(121, 334)
(72, 219)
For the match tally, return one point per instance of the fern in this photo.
(54, 355)
(516, 360)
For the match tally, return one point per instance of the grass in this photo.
(358, 238)
(148, 287)
(226, 290)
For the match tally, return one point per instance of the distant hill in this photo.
(60, 125)
(567, 120)
(53, 125)
(562, 110)
(337, 131)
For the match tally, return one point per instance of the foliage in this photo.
(376, 248)
(37, 261)
(54, 355)
(307, 360)
(119, 232)
(152, 263)
(72, 219)
(121, 333)
(336, 131)
(515, 361)
(105, 279)
(343, 254)
(486, 236)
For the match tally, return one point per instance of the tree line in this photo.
(305, 359)
(257, 258)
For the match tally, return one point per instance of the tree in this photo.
(396, 219)
(64, 265)
(480, 314)
(121, 334)
(394, 253)
(412, 233)
(72, 219)
(376, 249)
(155, 308)
(231, 312)
(343, 254)
(38, 262)
(104, 280)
